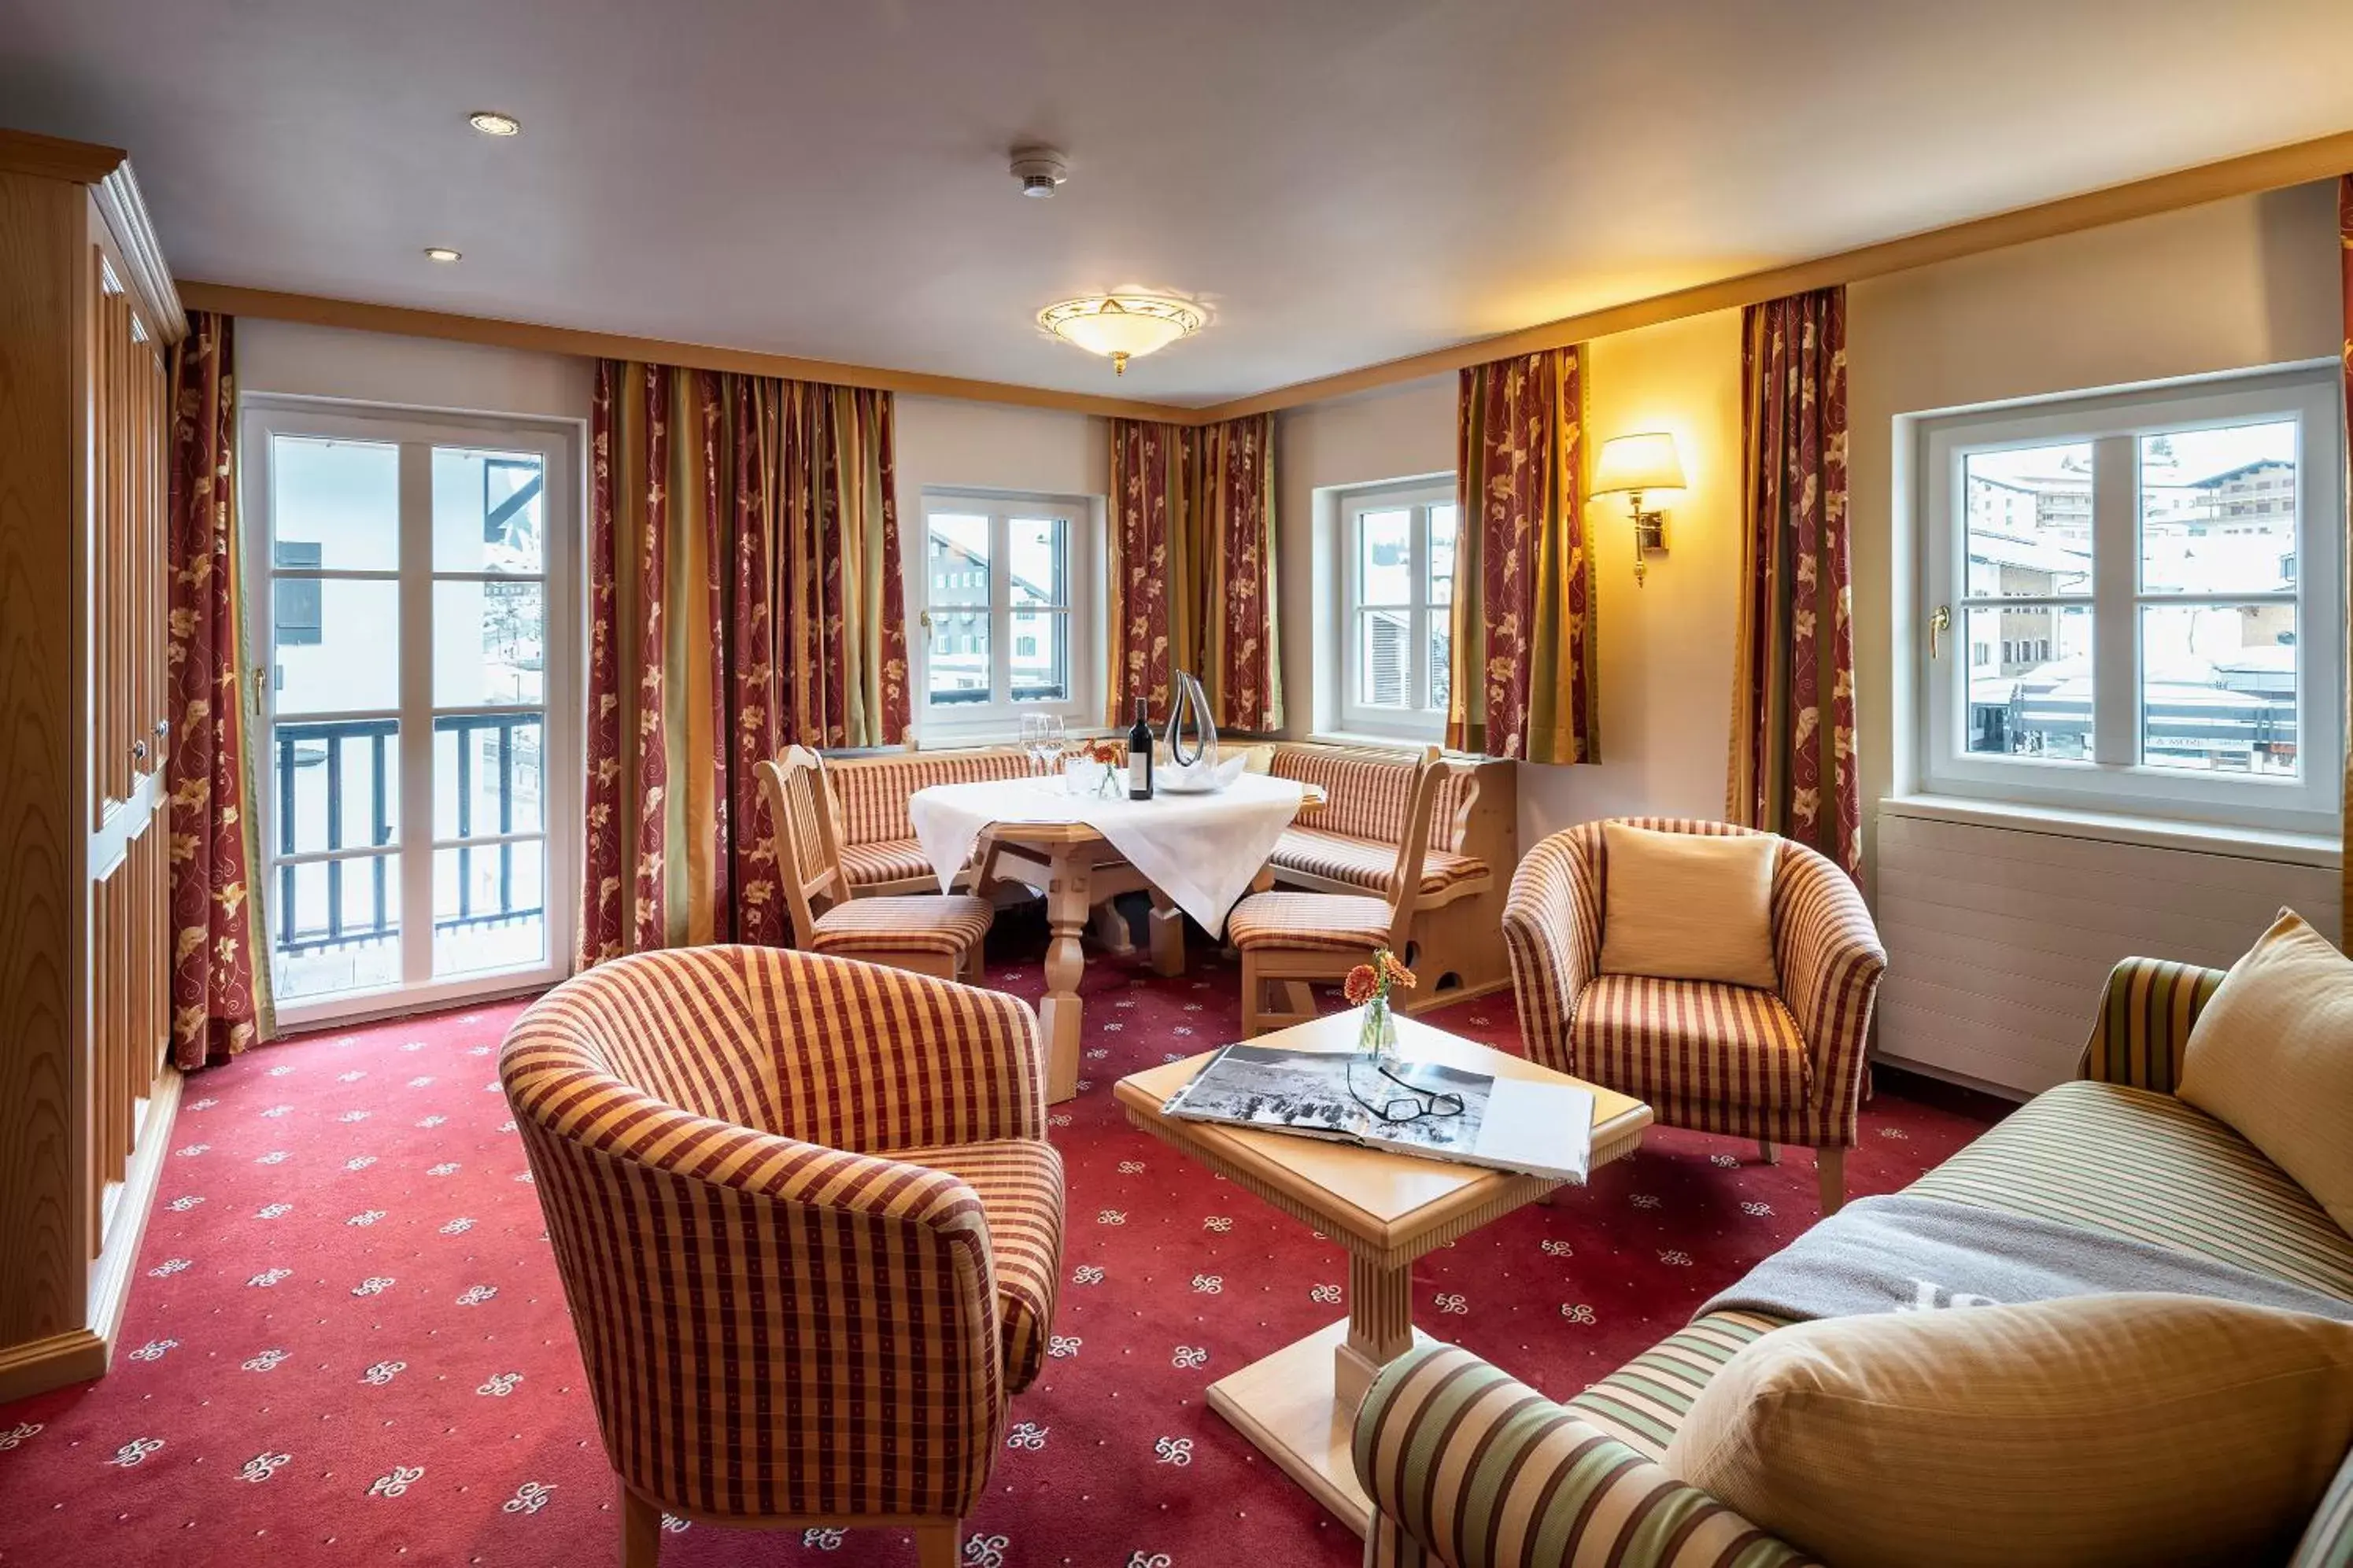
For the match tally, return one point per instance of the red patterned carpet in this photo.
(347, 1343)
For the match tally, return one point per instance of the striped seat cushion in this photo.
(1689, 1042)
(1320, 922)
(915, 922)
(1019, 1183)
(1366, 863)
(2137, 1164)
(1367, 795)
(1643, 1402)
(883, 861)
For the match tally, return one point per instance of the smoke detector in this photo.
(1039, 170)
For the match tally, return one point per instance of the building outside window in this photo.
(1004, 625)
(2122, 572)
(1397, 580)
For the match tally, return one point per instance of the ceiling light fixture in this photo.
(1123, 326)
(490, 123)
(442, 253)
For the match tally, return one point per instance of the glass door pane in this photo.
(490, 690)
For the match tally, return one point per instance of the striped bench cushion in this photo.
(1363, 863)
(1019, 1183)
(2125, 1161)
(871, 793)
(1683, 1045)
(1368, 794)
(915, 922)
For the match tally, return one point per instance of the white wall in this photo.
(424, 373)
(2231, 285)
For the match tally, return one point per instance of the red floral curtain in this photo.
(220, 993)
(1192, 568)
(1521, 676)
(1793, 761)
(746, 597)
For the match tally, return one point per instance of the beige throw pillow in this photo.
(1689, 905)
(2126, 1428)
(2272, 1054)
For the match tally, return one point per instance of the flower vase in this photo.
(1378, 1039)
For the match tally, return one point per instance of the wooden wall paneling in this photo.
(43, 804)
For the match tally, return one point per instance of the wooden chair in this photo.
(930, 933)
(809, 1227)
(1292, 939)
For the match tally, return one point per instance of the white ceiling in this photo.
(1339, 180)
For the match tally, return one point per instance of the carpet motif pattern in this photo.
(347, 1342)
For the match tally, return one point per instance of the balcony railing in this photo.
(323, 745)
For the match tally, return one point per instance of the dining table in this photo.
(1194, 854)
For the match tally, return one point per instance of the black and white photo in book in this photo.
(1404, 1106)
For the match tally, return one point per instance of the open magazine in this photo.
(1407, 1107)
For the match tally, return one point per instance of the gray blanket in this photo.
(1910, 1254)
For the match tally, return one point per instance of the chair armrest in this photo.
(1552, 932)
(1831, 961)
(2145, 1020)
(875, 1059)
(1470, 1468)
(726, 1284)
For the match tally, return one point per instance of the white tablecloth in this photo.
(1202, 850)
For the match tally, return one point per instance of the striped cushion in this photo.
(2328, 1540)
(1519, 1478)
(915, 922)
(1367, 795)
(2145, 1020)
(871, 793)
(1691, 1042)
(883, 861)
(1320, 922)
(1020, 1187)
(1362, 863)
(2146, 1165)
(1643, 1402)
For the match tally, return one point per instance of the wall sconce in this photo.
(1640, 465)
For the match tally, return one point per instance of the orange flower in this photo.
(1394, 973)
(1360, 985)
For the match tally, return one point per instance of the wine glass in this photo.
(1033, 739)
(1049, 743)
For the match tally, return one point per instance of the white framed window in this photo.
(417, 739)
(2107, 641)
(1396, 627)
(1005, 614)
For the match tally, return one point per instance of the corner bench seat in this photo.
(1352, 845)
(2115, 1152)
(880, 853)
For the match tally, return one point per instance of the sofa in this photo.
(1467, 1468)
(1350, 844)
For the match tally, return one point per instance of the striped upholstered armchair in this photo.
(809, 1226)
(1780, 1068)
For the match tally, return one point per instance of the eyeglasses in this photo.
(1415, 1104)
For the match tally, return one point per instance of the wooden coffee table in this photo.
(1299, 1403)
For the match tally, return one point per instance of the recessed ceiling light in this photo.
(490, 123)
(442, 253)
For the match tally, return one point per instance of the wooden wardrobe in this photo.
(88, 316)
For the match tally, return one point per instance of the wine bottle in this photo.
(1139, 757)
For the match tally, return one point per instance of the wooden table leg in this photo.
(1110, 927)
(1058, 1016)
(1167, 923)
(1299, 1406)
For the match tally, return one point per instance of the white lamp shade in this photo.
(1647, 462)
(1126, 324)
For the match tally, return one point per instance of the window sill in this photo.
(2159, 833)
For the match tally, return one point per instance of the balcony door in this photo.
(408, 582)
